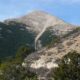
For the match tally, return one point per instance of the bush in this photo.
(69, 67)
(16, 72)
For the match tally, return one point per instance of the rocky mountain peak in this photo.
(40, 21)
(37, 20)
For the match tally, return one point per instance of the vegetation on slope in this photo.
(76, 30)
(49, 38)
(11, 68)
(12, 36)
(69, 67)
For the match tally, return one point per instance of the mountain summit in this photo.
(38, 19)
(39, 22)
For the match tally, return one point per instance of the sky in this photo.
(67, 10)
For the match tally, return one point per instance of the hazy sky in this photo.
(68, 10)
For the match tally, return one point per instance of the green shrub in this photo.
(69, 67)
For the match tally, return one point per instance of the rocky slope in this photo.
(49, 35)
(43, 61)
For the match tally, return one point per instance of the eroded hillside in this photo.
(44, 60)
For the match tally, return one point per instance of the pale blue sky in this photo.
(68, 10)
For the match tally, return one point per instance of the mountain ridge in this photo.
(39, 21)
(37, 17)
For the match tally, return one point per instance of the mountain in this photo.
(36, 29)
(51, 37)
(38, 22)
